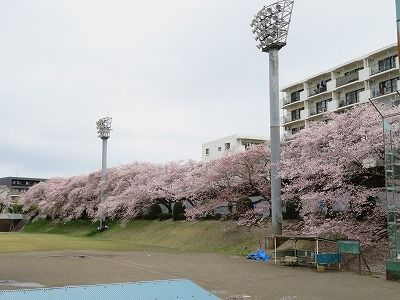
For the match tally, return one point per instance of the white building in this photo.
(230, 144)
(374, 76)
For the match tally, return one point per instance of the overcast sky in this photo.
(172, 74)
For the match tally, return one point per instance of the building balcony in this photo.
(289, 118)
(289, 100)
(315, 111)
(347, 79)
(377, 91)
(382, 67)
(298, 117)
(317, 90)
(345, 102)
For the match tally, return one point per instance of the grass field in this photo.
(204, 236)
(169, 250)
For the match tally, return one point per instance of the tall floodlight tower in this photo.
(103, 131)
(271, 27)
(398, 25)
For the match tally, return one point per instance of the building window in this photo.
(219, 148)
(352, 71)
(227, 146)
(388, 86)
(295, 96)
(322, 106)
(353, 97)
(319, 88)
(296, 114)
(248, 145)
(387, 63)
(207, 151)
(295, 130)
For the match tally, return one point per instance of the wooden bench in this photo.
(289, 261)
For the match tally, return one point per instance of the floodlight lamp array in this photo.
(271, 25)
(104, 127)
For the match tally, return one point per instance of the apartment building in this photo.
(374, 76)
(229, 144)
(18, 185)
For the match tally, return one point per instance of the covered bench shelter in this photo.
(294, 255)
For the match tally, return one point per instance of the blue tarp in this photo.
(259, 255)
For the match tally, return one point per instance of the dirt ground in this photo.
(228, 277)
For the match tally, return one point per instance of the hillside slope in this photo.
(201, 236)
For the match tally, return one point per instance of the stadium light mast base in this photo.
(271, 27)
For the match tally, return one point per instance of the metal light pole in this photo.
(103, 131)
(398, 25)
(271, 26)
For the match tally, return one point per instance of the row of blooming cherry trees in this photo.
(132, 189)
(330, 172)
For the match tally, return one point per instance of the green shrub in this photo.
(15, 209)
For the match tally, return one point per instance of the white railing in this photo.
(347, 79)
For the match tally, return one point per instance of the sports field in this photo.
(48, 254)
(228, 277)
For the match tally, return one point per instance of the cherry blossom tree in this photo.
(332, 170)
(229, 179)
(5, 199)
(129, 194)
